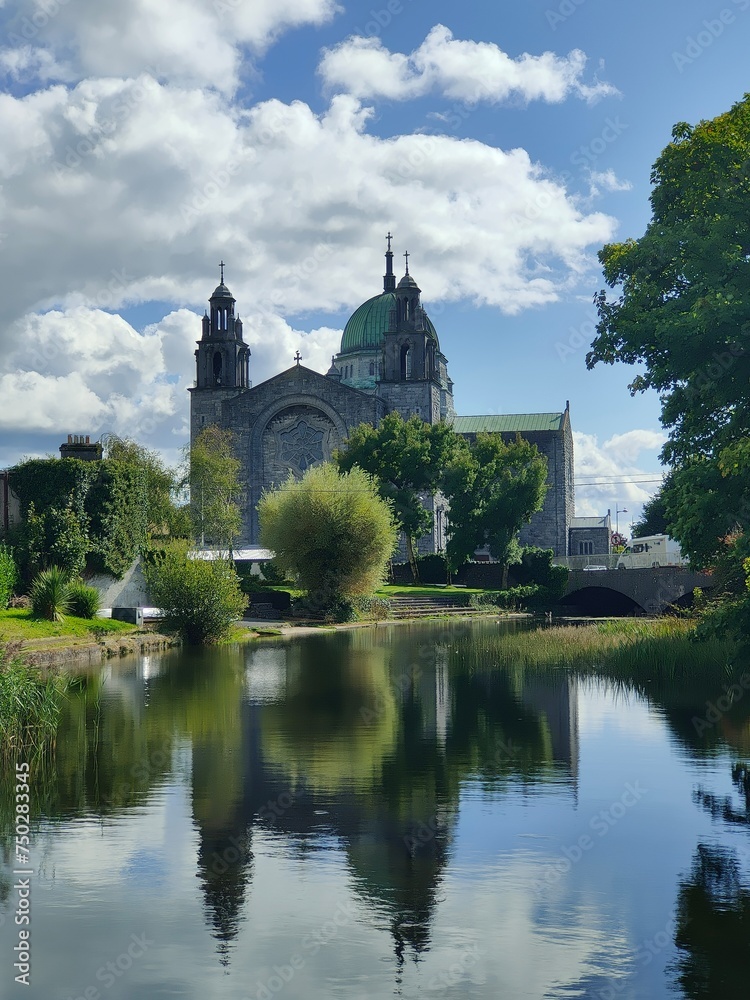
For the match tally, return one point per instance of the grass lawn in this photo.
(18, 624)
(409, 590)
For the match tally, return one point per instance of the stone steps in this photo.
(425, 607)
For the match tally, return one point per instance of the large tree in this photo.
(161, 484)
(331, 531)
(215, 489)
(682, 313)
(408, 458)
(493, 489)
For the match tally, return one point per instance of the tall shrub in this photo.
(332, 531)
(201, 599)
(8, 574)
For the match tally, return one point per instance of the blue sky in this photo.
(502, 144)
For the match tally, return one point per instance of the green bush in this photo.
(536, 567)
(371, 608)
(84, 600)
(201, 598)
(50, 594)
(272, 573)
(433, 568)
(8, 575)
(332, 532)
(511, 599)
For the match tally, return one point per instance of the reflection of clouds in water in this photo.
(131, 845)
(265, 676)
(527, 947)
(145, 868)
(603, 710)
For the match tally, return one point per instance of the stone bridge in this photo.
(650, 590)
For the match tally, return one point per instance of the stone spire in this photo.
(389, 278)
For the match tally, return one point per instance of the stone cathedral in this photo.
(390, 360)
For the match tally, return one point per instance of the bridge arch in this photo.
(597, 600)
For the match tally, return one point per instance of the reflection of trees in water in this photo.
(379, 736)
(722, 807)
(224, 870)
(713, 928)
(713, 907)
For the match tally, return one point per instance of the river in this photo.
(383, 812)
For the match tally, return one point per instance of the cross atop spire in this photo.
(406, 254)
(222, 265)
(389, 279)
(298, 358)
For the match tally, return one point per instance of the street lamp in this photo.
(618, 511)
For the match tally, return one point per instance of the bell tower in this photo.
(409, 351)
(222, 357)
(411, 381)
(221, 361)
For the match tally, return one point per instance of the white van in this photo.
(650, 552)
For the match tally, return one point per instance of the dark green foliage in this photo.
(493, 489)
(653, 520)
(57, 536)
(8, 574)
(77, 513)
(201, 598)
(118, 508)
(681, 311)
(83, 600)
(407, 458)
(433, 568)
(511, 599)
(271, 572)
(536, 567)
(160, 484)
(372, 608)
(50, 594)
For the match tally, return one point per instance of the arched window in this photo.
(405, 363)
(218, 365)
(372, 367)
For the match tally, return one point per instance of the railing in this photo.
(581, 562)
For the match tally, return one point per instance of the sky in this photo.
(501, 143)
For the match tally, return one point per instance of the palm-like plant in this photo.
(50, 594)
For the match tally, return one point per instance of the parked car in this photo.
(593, 569)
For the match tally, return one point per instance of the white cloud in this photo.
(606, 181)
(463, 70)
(31, 63)
(87, 371)
(616, 465)
(189, 41)
(111, 194)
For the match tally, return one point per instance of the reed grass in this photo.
(30, 706)
(640, 650)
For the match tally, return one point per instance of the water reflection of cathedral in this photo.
(371, 745)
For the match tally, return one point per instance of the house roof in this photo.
(590, 522)
(509, 423)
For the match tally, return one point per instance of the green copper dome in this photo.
(368, 324)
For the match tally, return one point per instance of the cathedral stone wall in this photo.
(287, 424)
(548, 529)
(390, 361)
(407, 398)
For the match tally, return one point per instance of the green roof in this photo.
(367, 325)
(509, 423)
